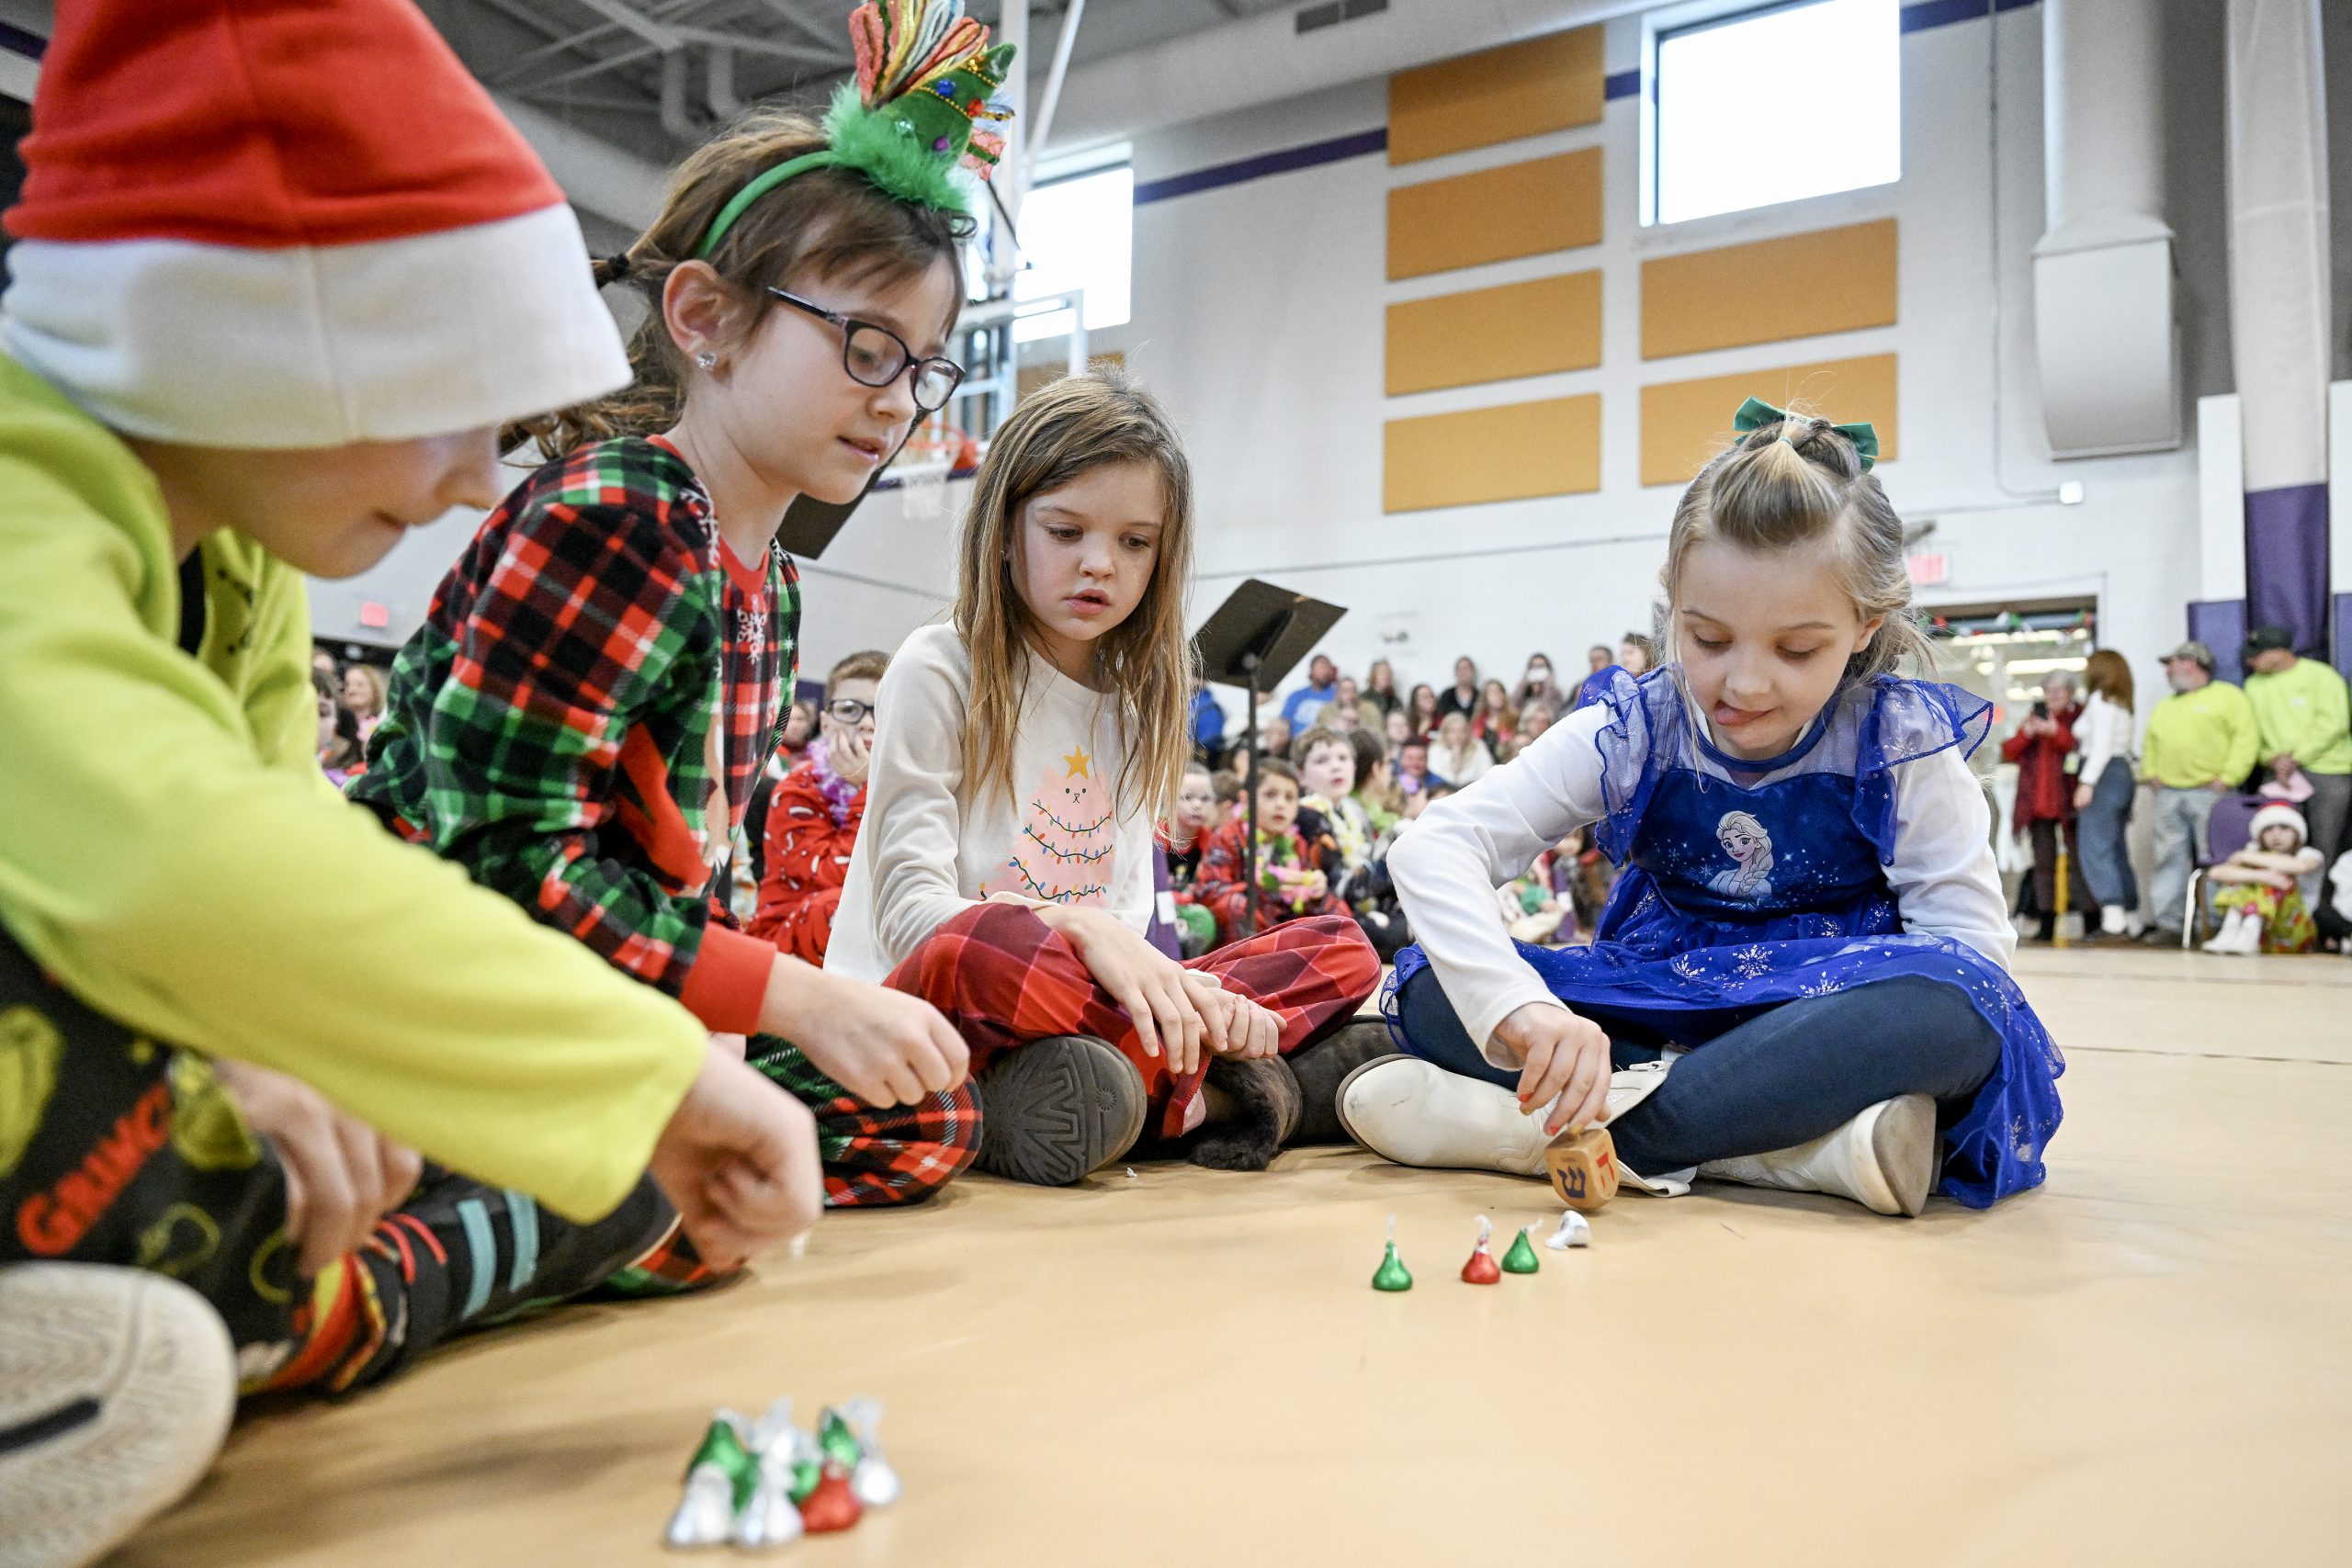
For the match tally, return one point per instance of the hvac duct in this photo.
(2279, 308)
(1263, 58)
(2108, 352)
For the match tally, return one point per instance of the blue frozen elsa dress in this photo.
(1745, 884)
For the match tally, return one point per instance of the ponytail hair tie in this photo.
(609, 270)
(1756, 413)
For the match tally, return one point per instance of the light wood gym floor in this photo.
(2148, 1360)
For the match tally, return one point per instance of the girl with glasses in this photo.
(583, 719)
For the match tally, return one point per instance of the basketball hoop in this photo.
(930, 456)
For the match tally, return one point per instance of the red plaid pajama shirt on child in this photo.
(1004, 978)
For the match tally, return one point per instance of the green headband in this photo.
(1756, 413)
(912, 117)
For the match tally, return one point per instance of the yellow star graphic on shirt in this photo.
(1079, 765)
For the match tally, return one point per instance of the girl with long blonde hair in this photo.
(1807, 907)
(1023, 753)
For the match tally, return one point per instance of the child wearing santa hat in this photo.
(280, 272)
(2261, 894)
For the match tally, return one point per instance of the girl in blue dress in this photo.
(1800, 980)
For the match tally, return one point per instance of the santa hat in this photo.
(291, 223)
(2277, 815)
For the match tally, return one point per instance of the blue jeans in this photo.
(2179, 826)
(2107, 859)
(1787, 1077)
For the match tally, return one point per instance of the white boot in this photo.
(2112, 919)
(1415, 1112)
(2250, 934)
(116, 1390)
(1883, 1160)
(2231, 937)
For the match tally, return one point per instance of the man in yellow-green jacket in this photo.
(2305, 713)
(2199, 747)
(280, 273)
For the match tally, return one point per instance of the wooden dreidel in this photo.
(1482, 1268)
(1520, 1258)
(1392, 1274)
(1582, 1162)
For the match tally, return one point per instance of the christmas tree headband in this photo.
(1756, 413)
(925, 73)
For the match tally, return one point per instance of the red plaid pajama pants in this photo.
(1003, 978)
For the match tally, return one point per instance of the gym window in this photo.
(1772, 105)
(1078, 232)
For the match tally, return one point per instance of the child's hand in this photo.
(2082, 797)
(884, 1046)
(738, 1160)
(1152, 987)
(1563, 1062)
(850, 755)
(1239, 1027)
(341, 1176)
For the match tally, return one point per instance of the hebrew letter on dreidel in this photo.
(1583, 1163)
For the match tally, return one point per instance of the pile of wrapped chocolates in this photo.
(767, 1483)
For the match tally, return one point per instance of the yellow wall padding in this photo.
(1493, 335)
(1552, 447)
(1832, 280)
(1519, 210)
(1685, 422)
(1521, 89)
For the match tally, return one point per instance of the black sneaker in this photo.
(1056, 1109)
(115, 1390)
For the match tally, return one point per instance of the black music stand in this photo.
(1257, 636)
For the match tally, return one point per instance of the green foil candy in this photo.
(1522, 1258)
(723, 1446)
(839, 1443)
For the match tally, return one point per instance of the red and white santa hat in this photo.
(291, 223)
(2277, 814)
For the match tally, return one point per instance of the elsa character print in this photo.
(1750, 847)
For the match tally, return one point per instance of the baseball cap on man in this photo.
(2193, 649)
(2268, 639)
(291, 223)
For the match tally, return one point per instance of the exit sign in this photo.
(1927, 568)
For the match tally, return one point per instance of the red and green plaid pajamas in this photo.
(1004, 978)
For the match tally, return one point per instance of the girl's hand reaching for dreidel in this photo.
(1563, 1062)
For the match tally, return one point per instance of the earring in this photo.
(707, 360)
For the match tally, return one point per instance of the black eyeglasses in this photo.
(848, 710)
(876, 357)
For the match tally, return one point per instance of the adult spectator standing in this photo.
(2202, 743)
(1461, 697)
(1422, 711)
(1637, 653)
(1380, 691)
(1597, 658)
(2044, 812)
(2104, 787)
(1305, 705)
(2305, 716)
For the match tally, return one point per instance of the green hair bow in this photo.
(1756, 413)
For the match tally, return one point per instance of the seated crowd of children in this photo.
(301, 1082)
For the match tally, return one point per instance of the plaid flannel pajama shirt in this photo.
(550, 728)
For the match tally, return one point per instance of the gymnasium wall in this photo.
(1271, 313)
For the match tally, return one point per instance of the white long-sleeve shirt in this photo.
(1464, 847)
(930, 846)
(2103, 732)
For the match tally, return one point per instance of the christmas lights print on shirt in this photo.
(1067, 850)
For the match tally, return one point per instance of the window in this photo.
(1077, 232)
(1776, 105)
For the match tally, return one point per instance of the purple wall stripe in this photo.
(1623, 85)
(1283, 162)
(15, 40)
(2219, 625)
(2285, 562)
(1943, 13)
(2343, 634)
